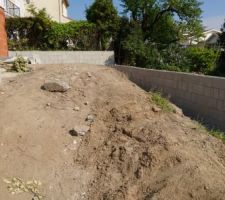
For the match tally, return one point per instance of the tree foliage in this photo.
(221, 64)
(156, 25)
(104, 15)
(202, 60)
(165, 21)
(39, 32)
(149, 34)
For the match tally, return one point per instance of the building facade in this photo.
(209, 38)
(57, 9)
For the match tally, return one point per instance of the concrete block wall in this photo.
(68, 57)
(199, 96)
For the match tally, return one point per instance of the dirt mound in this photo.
(129, 153)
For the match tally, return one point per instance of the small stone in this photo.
(79, 131)
(90, 118)
(48, 104)
(89, 75)
(73, 146)
(76, 108)
(108, 143)
(86, 103)
(156, 109)
(178, 111)
(55, 86)
(139, 173)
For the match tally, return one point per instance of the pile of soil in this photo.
(129, 153)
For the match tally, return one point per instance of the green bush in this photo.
(201, 60)
(20, 64)
(39, 32)
(80, 35)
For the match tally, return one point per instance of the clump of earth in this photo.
(102, 140)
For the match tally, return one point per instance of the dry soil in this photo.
(130, 152)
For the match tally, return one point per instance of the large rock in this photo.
(56, 86)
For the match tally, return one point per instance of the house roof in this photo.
(211, 31)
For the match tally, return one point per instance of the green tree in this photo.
(41, 23)
(165, 21)
(221, 64)
(160, 23)
(222, 36)
(29, 31)
(104, 15)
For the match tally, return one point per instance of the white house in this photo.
(209, 38)
(57, 9)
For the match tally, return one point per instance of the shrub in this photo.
(39, 32)
(75, 35)
(20, 64)
(201, 60)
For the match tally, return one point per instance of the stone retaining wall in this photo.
(68, 57)
(202, 97)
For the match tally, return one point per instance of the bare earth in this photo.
(130, 152)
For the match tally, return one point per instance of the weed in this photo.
(218, 134)
(17, 186)
(20, 64)
(214, 132)
(163, 103)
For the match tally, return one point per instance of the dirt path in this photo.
(130, 152)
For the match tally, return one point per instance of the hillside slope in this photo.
(130, 152)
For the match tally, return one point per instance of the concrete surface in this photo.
(68, 57)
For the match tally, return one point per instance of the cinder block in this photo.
(198, 89)
(208, 91)
(220, 105)
(211, 102)
(218, 82)
(196, 98)
(221, 94)
(216, 93)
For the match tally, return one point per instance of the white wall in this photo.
(53, 7)
(69, 57)
(2, 4)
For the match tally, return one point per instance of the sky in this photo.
(213, 11)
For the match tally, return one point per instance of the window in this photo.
(12, 9)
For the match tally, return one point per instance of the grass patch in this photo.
(214, 132)
(166, 106)
(218, 134)
(162, 102)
